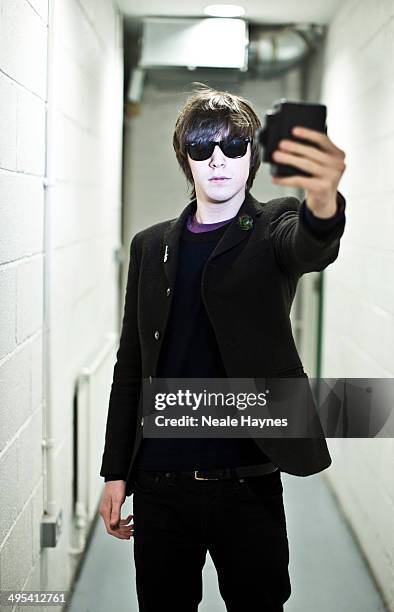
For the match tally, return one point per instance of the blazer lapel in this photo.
(234, 234)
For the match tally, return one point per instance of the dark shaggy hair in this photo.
(208, 113)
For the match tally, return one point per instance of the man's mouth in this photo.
(219, 179)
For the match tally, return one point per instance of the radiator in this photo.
(90, 413)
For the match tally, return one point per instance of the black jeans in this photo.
(240, 522)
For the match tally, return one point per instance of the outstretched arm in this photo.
(306, 236)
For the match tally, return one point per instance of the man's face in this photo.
(236, 171)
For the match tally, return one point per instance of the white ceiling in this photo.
(257, 11)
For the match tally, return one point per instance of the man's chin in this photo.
(225, 192)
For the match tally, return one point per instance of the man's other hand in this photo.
(111, 502)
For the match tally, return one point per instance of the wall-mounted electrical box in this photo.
(51, 529)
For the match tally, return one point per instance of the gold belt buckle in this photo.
(202, 478)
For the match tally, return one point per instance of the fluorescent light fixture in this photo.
(224, 10)
(134, 93)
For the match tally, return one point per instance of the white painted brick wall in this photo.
(23, 45)
(29, 313)
(359, 291)
(8, 111)
(7, 307)
(22, 214)
(15, 384)
(41, 8)
(84, 229)
(30, 145)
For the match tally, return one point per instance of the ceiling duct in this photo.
(274, 51)
(220, 51)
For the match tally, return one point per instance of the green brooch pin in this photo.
(245, 222)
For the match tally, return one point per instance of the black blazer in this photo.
(248, 285)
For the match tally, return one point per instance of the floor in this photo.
(326, 570)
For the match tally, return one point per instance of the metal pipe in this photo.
(48, 442)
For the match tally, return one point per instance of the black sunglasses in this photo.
(231, 147)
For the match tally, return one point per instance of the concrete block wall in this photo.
(357, 86)
(23, 61)
(81, 79)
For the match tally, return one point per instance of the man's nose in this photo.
(217, 157)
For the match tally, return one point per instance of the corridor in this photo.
(101, 140)
(327, 570)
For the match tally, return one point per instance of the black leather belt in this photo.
(223, 473)
(235, 472)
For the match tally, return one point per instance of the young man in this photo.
(209, 296)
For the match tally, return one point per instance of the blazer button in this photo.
(142, 421)
(168, 290)
(157, 334)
